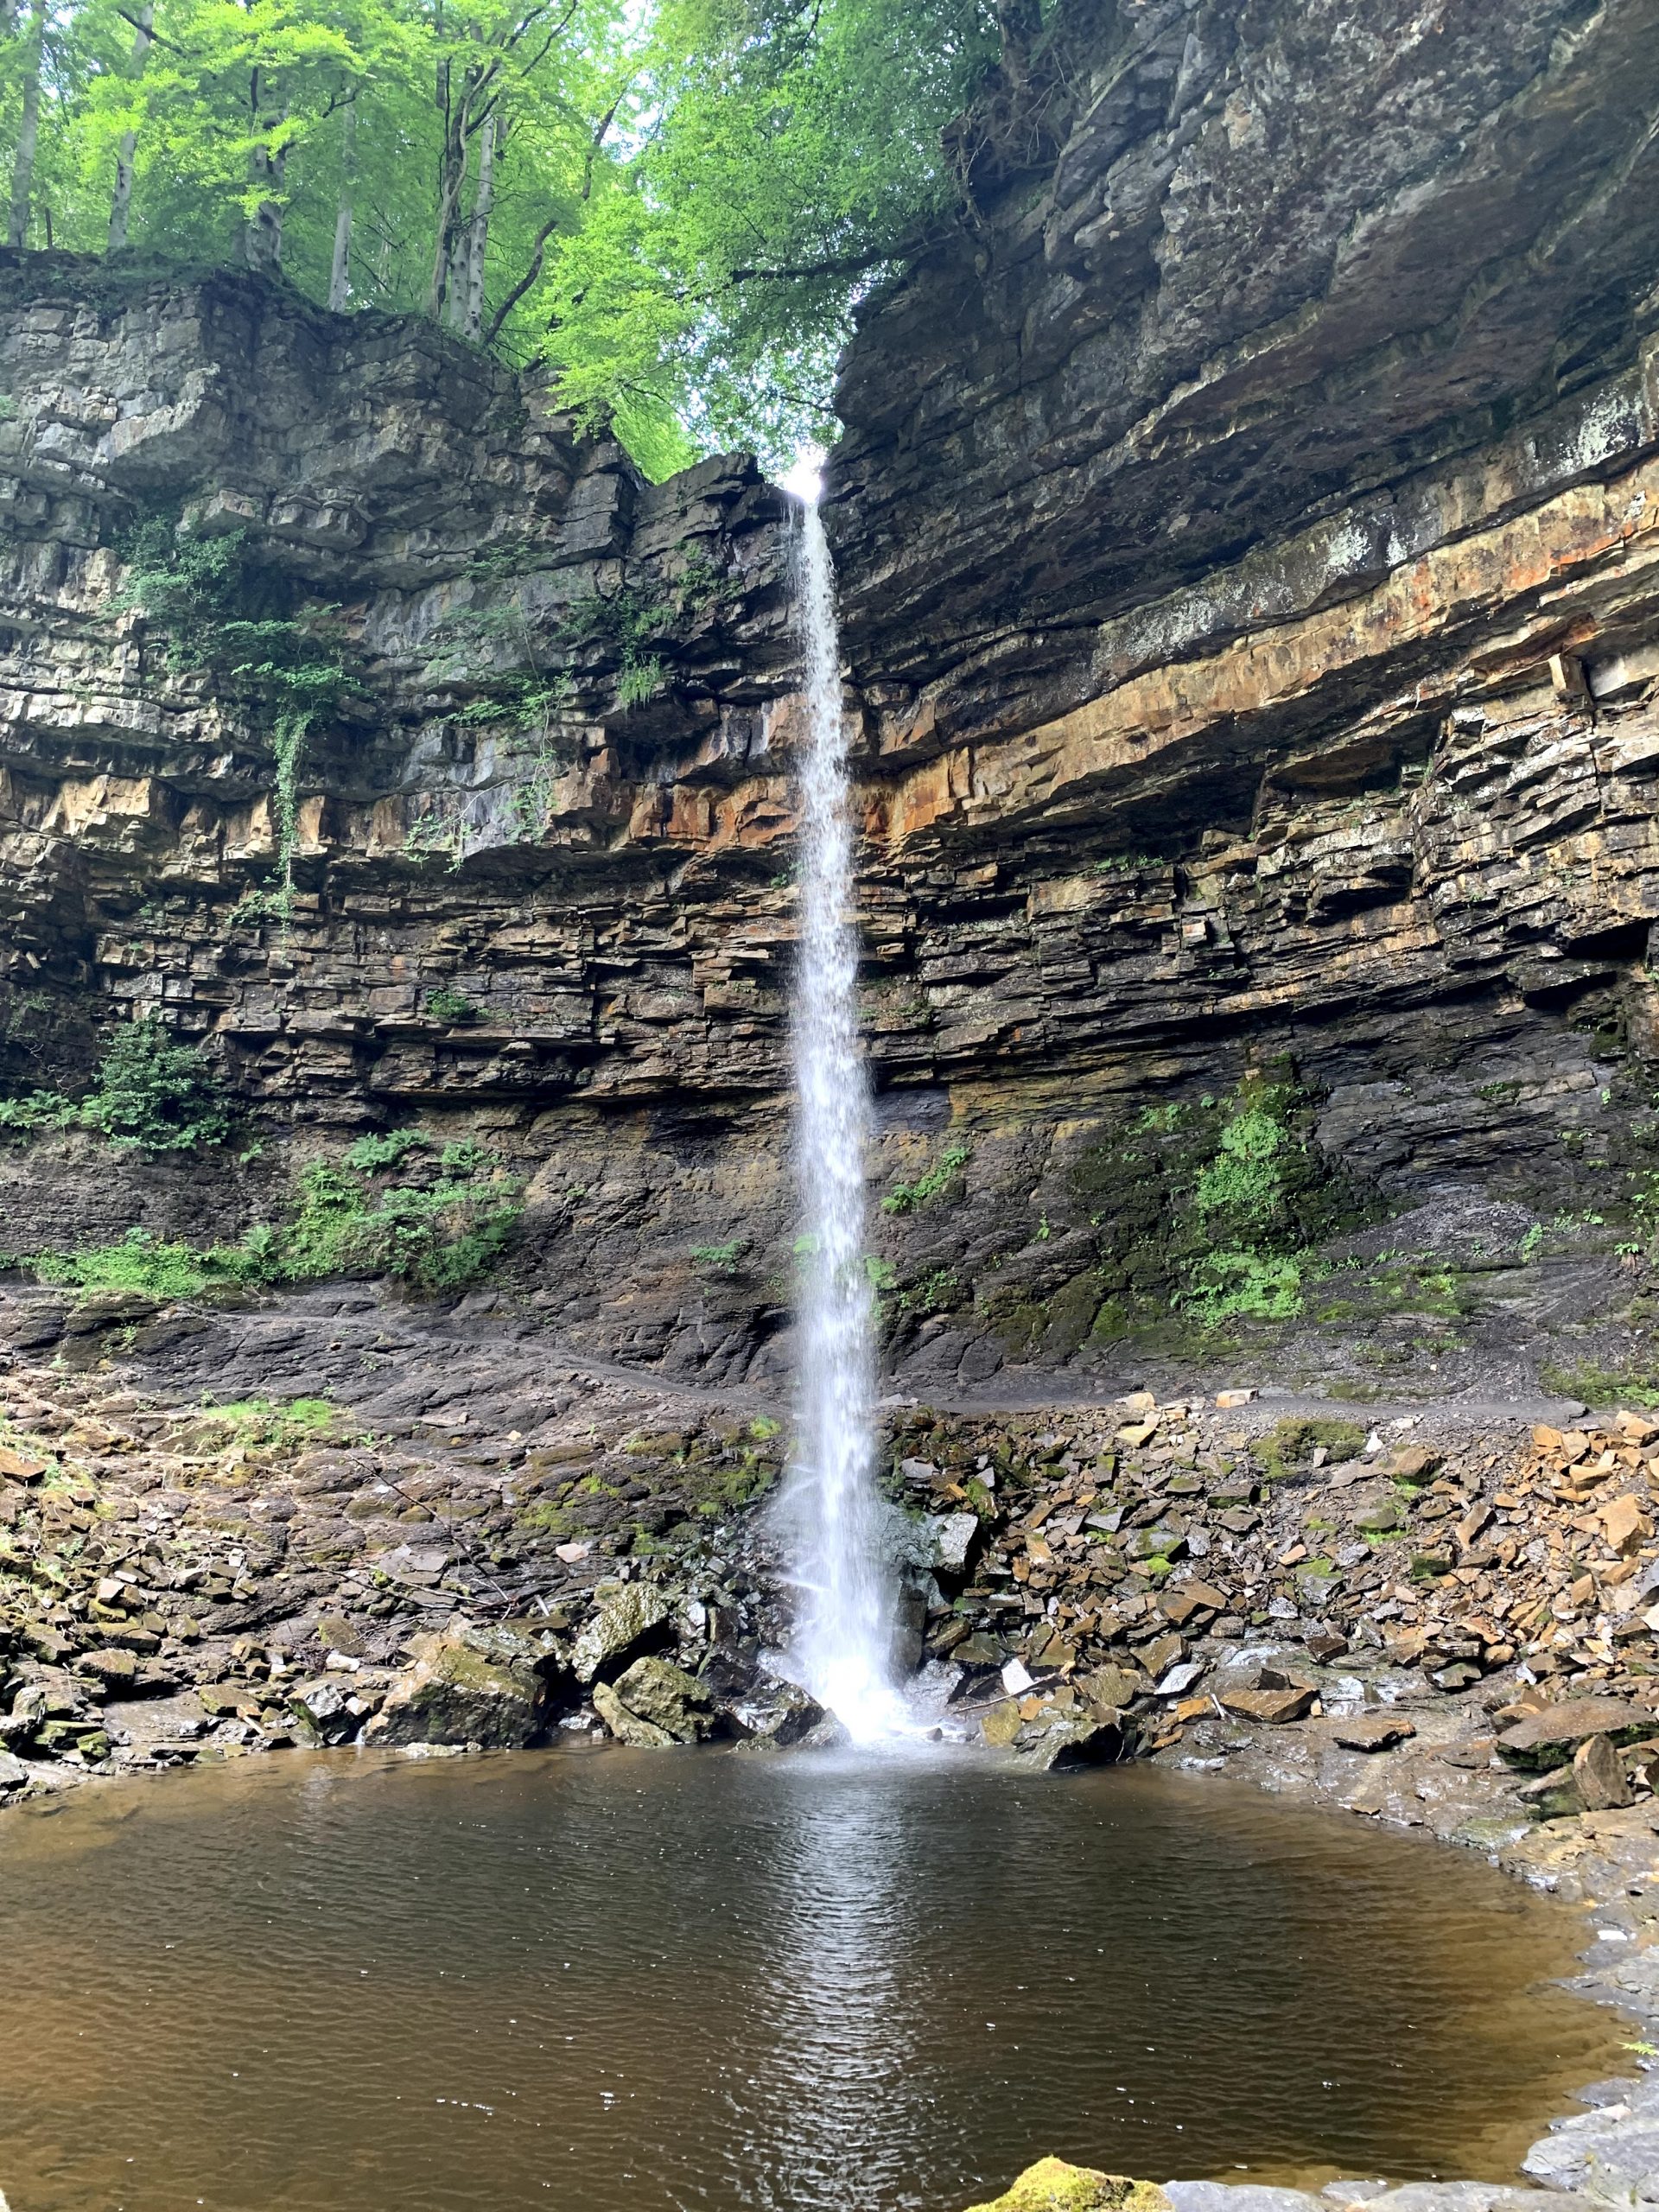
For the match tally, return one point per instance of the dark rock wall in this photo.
(1247, 541)
(1274, 259)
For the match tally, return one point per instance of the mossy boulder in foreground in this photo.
(470, 1684)
(1052, 2186)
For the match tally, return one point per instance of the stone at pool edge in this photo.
(1371, 2197)
(626, 1618)
(470, 1683)
(1052, 2186)
(655, 1704)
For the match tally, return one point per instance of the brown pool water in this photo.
(653, 1983)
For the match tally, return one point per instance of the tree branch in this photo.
(849, 265)
(539, 254)
(600, 131)
(151, 34)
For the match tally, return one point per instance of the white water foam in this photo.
(834, 1517)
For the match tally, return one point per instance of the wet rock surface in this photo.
(183, 1581)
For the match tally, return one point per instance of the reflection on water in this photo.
(618, 1983)
(834, 2015)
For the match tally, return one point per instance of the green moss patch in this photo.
(1210, 1210)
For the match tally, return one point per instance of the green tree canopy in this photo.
(676, 206)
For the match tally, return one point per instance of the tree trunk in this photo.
(28, 130)
(1020, 22)
(121, 199)
(479, 233)
(262, 240)
(340, 277)
(452, 177)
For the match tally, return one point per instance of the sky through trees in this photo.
(673, 202)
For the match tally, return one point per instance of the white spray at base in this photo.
(844, 1628)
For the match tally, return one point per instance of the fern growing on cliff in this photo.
(156, 1095)
(149, 1093)
(220, 610)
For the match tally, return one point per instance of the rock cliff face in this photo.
(1247, 539)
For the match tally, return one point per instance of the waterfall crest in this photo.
(844, 1630)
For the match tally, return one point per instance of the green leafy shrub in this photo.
(450, 1007)
(40, 1109)
(156, 1095)
(1239, 1195)
(1207, 1210)
(624, 623)
(140, 1261)
(937, 1292)
(224, 612)
(466, 1157)
(260, 1421)
(439, 1238)
(1224, 1286)
(370, 1155)
(722, 1259)
(904, 1197)
(149, 1092)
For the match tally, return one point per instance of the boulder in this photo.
(1372, 1732)
(324, 1705)
(27, 1715)
(1247, 2197)
(1598, 1775)
(1611, 2156)
(1550, 1736)
(952, 1535)
(627, 1727)
(1052, 2186)
(626, 1618)
(1625, 1522)
(909, 1627)
(664, 1696)
(1110, 1688)
(471, 1684)
(1182, 1678)
(1001, 1725)
(1079, 1740)
(1274, 1706)
(776, 1711)
(13, 1773)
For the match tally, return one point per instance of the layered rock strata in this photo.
(1246, 538)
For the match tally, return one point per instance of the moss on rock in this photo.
(1052, 2186)
(470, 1685)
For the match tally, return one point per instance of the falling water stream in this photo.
(844, 1632)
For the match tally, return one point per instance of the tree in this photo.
(676, 206)
(23, 166)
(121, 195)
(340, 269)
(795, 156)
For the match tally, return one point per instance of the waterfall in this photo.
(845, 1628)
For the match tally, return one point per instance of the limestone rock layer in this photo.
(1246, 534)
